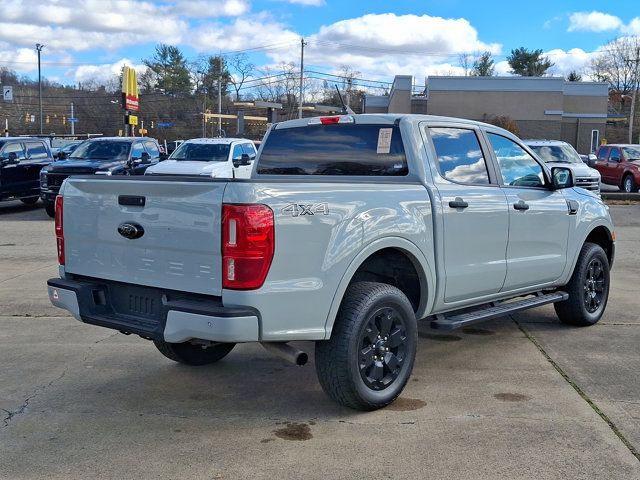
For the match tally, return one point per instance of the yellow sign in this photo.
(133, 119)
(130, 99)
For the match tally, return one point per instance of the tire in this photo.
(629, 184)
(372, 317)
(191, 354)
(588, 289)
(50, 208)
(30, 200)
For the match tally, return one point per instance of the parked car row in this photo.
(29, 170)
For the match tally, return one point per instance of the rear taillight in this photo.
(59, 228)
(248, 243)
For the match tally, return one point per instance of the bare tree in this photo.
(241, 69)
(466, 61)
(616, 64)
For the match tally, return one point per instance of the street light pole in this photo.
(39, 47)
(632, 113)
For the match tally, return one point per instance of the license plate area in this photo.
(136, 301)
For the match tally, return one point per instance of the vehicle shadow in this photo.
(15, 206)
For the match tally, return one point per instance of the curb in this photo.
(634, 197)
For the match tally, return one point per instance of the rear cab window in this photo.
(460, 158)
(36, 150)
(337, 149)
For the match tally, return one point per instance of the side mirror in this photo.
(561, 177)
(163, 156)
(62, 155)
(245, 159)
(591, 159)
(145, 157)
(13, 157)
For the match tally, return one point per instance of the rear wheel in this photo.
(629, 184)
(50, 208)
(191, 354)
(30, 200)
(588, 288)
(369, 358)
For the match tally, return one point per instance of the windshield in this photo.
(201, 152)
(556, 153)
(102, 150)
(631, 153)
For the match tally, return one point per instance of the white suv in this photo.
(556, 151)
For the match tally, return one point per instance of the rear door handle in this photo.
(458, 203)
(521, 205)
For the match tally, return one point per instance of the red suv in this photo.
(619, 165)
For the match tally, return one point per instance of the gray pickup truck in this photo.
(351, 229)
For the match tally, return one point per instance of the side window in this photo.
(517, 167)
(36, 150)
(152, 149)
(237, 151)
(614, 156)
(136, 150)
(13, 148)
(603, 152)
(249, 149)
(460, 157)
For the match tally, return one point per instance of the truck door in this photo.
(475, 218)
(12, 163)
(614, 166)
(538, 217)
(37, 158)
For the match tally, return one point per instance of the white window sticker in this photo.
(384, 140)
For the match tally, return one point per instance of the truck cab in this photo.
(619, 165)
(210, 157)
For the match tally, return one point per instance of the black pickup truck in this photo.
(21, 160)
(100, 156)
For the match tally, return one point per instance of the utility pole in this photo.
(6, 127)
(632, 113)
(220, 100)
(72, 121)
(39, 47)
(302, 44)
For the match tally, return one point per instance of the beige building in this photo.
(543, 107)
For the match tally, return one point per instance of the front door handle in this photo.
(520, 205)
(458, 203)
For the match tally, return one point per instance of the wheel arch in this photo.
(371, 259)
(601, 234)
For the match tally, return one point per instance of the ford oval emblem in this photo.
(130, 230)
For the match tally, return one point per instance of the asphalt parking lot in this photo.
(522, 397)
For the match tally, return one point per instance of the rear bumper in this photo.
(152, 313)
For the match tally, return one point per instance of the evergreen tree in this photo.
(528, 63)
(483, 66)
(168, 71)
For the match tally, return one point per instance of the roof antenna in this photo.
(345, 108)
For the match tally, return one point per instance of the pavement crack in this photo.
(86, 355)
(579, 391)
(10, 414)
(27, 273)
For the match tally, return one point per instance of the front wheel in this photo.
(50, 208)
(191, 354)
(367, 361)
(629, 184)
(588, 288)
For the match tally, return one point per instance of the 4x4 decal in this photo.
(299, 209)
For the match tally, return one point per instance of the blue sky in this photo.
(90, 39)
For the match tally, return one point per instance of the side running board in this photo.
(497, 309)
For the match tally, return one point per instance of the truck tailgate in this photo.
(180, 247)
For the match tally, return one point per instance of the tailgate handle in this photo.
(132, 200)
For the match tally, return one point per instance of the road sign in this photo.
(7, 93)
(72, 120)
(132, 119)
(165, 124)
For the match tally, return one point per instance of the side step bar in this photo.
(498, 309)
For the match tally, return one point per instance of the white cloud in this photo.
(383, 45)
(633, 28)
(103, 73)
(565, 62)
(593, 22)
(242, 34)
(20, 59)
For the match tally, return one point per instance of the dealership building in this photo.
(542, 107)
